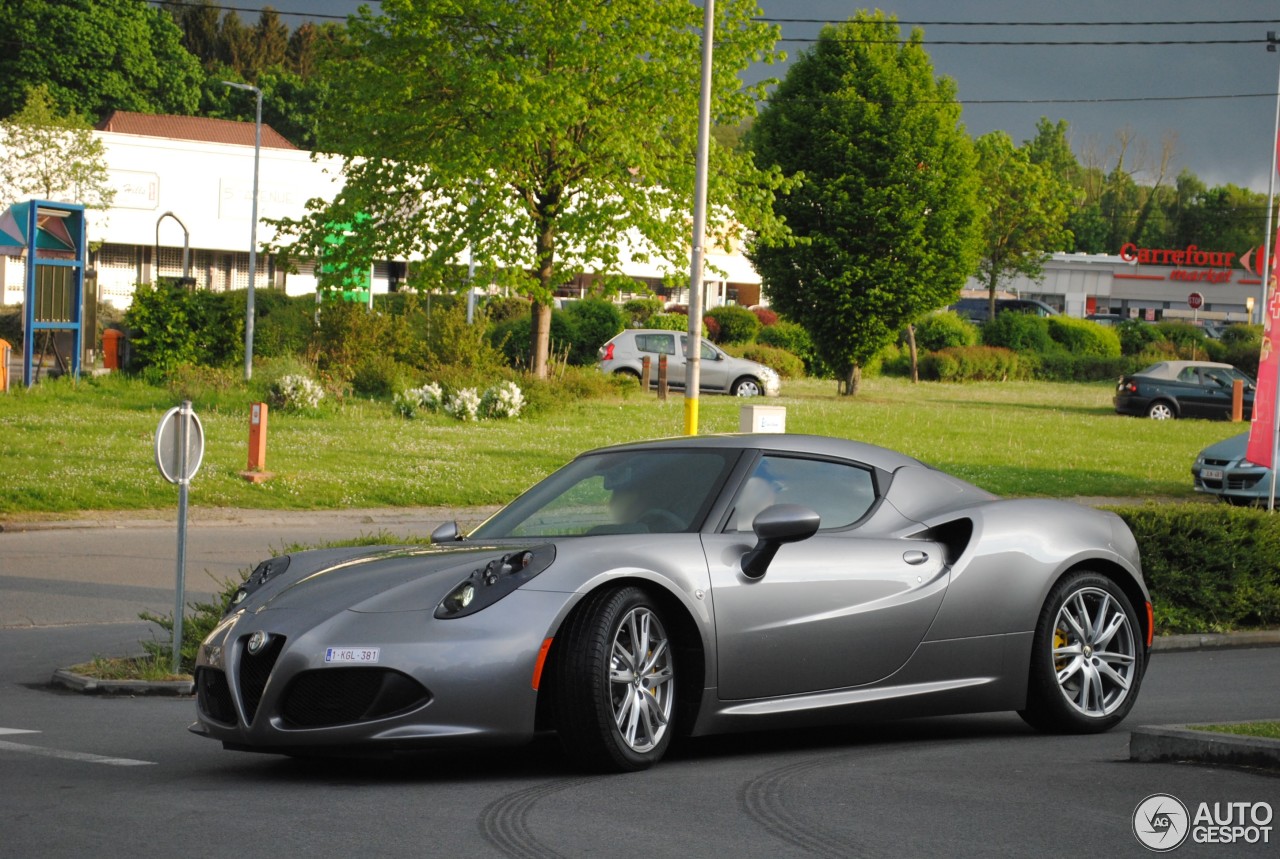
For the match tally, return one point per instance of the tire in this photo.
(627, 371)
(1161, 411)
(1084, 675)
(747, 386)
(611, 718)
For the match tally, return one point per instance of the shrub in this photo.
(503, 400)
(592, 322)
(670, 321)
(350, 335)
(282, 325)
(737, 324)
(1020, 332)
(1064, 367)
(161, 332)
(788, 366)
(793, 338)
(944, 329)
(1242, 335)
(1137, 337)
(1080, 337)
(379, 376)
(501, 309)
(453, 342)
(511, 338)
(638, 311)
(973, 363)
(766, 316)
(1210, 568)
(296, 394)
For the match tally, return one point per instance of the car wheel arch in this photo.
(689, 649)
(1122, 578)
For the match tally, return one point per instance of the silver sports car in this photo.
(690, 586)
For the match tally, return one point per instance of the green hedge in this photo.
(973, 363)
(1210, 568)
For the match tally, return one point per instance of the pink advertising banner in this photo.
(1263, 429)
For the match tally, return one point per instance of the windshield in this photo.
(620, 492)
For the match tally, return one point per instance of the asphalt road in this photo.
(84, 775)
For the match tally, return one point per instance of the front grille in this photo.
(254, 671)
(1242, 481)
(213, 695)
(338, 696)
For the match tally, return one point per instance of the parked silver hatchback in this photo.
(720, 372)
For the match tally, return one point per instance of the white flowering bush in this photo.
(504, 400)
(463, 405)
(296, 393)
(428, 397)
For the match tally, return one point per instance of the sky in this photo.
(1211, 87)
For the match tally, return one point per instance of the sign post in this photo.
(179, 451)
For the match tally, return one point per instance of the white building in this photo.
(176, 172)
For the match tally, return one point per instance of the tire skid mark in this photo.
(504, 823)
(764, 799)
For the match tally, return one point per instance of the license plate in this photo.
(364, 655)
(1211, 474)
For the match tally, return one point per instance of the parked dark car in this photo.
(1182, 389)
(979, 309)
(1221, 469)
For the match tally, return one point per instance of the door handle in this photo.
(915, 557)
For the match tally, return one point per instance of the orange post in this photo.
(5, 350)
(111, 349)
(256, 472)
(662, 377)
(1237, 400)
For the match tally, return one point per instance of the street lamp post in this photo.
(253, 227)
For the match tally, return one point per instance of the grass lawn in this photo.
(88, 446)
(1264, 730)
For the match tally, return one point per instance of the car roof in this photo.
(1171, 369)
(870, 454)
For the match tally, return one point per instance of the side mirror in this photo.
(449, 532)
(773, 526)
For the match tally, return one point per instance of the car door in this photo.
(1203, 394)
(655, 344)
(712, 372)
(840, 609)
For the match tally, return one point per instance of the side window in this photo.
(662, 344)
(840, 493)
(1189, 374)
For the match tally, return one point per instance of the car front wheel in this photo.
(615, 682)
(1086, 657)
(1161, 411)
(747, 387)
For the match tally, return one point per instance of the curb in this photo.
(93, 686)
(1216, 640)
(1174, 743)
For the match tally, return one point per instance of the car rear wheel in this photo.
(615, 682)
(1161, 411)
(1086, 657)
(747, 387)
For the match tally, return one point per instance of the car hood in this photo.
(1228, 450)
(378, 579)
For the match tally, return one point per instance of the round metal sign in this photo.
(178, 426)
(1195, 301)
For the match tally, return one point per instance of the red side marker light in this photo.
(546, 645)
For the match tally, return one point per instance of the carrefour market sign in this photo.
(1215, 266)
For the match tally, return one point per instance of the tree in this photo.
(96, 56)
(1024, 212)
(885, 216)
(540, 136)
(48, 156)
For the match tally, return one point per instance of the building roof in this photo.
(191, 128)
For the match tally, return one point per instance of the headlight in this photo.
(490, 583)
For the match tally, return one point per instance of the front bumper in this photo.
(409, 679)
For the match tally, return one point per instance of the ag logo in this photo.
(1161, 823)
